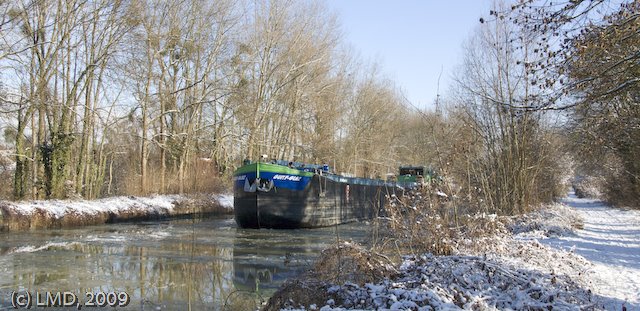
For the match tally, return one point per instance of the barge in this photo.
(282, 195)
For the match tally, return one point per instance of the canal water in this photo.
(187, 264)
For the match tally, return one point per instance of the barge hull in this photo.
(323, 202)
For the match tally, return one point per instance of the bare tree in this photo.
(606, 118)
(283, 66)
(587, 62)
(59, 56)
(180, 84)
(373, 123)
(506, 158)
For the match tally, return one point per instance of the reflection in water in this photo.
(271, 257)
(178, 264)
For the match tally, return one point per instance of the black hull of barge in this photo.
(324, 202)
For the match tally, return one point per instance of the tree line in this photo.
(137, 97)
(104, 98)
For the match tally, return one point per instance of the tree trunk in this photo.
(21, 175)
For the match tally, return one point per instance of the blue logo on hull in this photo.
(268, 180)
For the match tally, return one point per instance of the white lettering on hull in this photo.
(287, 177)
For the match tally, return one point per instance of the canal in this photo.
(184, 264)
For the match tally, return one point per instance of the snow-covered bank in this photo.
(519, 268)
(610, 241)
(66, 213)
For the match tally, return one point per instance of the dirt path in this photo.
(610, 239)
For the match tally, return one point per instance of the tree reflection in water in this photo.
(181, 264)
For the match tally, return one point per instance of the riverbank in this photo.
(515, 268)
(32, 215)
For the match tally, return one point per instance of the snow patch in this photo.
(610, 240)
(33, 249)
(116, 205)
(226, 201)
(55, 213)
(554, 220)
(576, 255)
(463, 282)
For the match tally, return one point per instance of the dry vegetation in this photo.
(339, 264)
(425, 222)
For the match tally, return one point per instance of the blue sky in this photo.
(413, 40)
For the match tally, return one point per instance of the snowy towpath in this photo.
(610, 239)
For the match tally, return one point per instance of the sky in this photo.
(414, 41)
